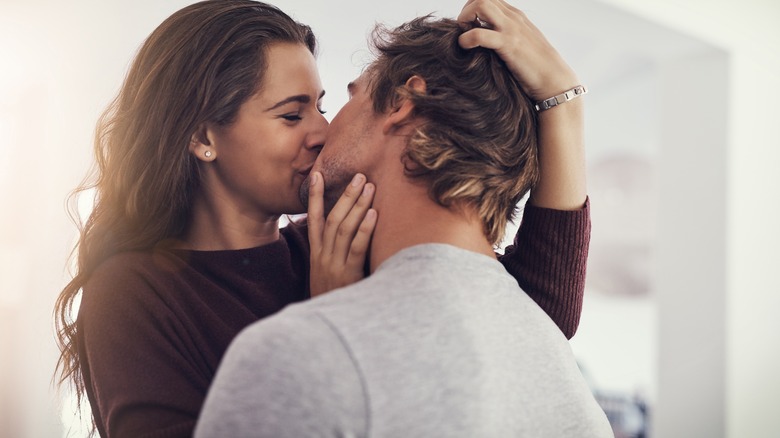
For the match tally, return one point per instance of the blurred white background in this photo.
(682, 293)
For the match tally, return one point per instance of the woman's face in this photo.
(264, 155)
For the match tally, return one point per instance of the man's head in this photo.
(472, 140)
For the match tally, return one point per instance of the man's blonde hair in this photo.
(477, 146)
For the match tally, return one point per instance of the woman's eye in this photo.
(291, 117)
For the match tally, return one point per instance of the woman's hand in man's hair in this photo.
(535, 63)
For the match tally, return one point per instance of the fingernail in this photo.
(357, 180)
(367, 189)
(313, 179)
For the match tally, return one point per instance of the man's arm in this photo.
(285, 376)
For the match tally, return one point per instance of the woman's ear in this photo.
(200, 146)
(403, 113)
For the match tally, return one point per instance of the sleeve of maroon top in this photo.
(138, 382)
(549, 259)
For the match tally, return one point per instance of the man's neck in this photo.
(408, 217)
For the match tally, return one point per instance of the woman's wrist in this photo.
(561, 158)
(568, 116)
(560, 99)
(553, 81)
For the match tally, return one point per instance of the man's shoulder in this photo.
(446, 269)
(297, 329)
(293, 376)
(422, 273)
(425, 283)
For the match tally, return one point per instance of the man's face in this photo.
(348, 144)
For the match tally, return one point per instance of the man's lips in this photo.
(307, 170)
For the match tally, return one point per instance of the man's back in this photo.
(439, 341)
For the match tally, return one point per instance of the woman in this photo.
(205, 147)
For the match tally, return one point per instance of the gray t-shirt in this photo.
(438, 342)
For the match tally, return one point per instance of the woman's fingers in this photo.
(348, 228)
(341, 210)
(356, 260)
(316, 213)
(479, 37)
(491, 13)
(339, 243)
(529, 56)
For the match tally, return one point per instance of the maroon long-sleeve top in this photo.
(153, 325)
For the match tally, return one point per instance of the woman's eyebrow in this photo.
(300, 98)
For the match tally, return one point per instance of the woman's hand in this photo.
(339, 245)
(542, 73)
(535, 63)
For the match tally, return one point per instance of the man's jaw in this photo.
(330, 197)
(303, 192)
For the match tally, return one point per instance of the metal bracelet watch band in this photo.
(564, 97)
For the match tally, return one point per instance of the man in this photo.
(439, 340)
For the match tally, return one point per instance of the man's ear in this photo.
(403, 113)
(200, 145)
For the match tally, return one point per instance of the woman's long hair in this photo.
(200, 65)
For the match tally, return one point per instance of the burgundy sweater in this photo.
(154, 325)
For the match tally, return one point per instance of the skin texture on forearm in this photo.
(553, 276)
(561, 184)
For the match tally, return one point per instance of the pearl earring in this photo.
(208, 154)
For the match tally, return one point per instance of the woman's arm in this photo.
(543, 73)
(550, 252)
(549, 259)
(138, 378)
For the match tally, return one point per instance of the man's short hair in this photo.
(477, 145)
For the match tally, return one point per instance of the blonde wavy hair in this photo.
(478, 144)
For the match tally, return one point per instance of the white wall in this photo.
(747, 30)
(691, 255)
